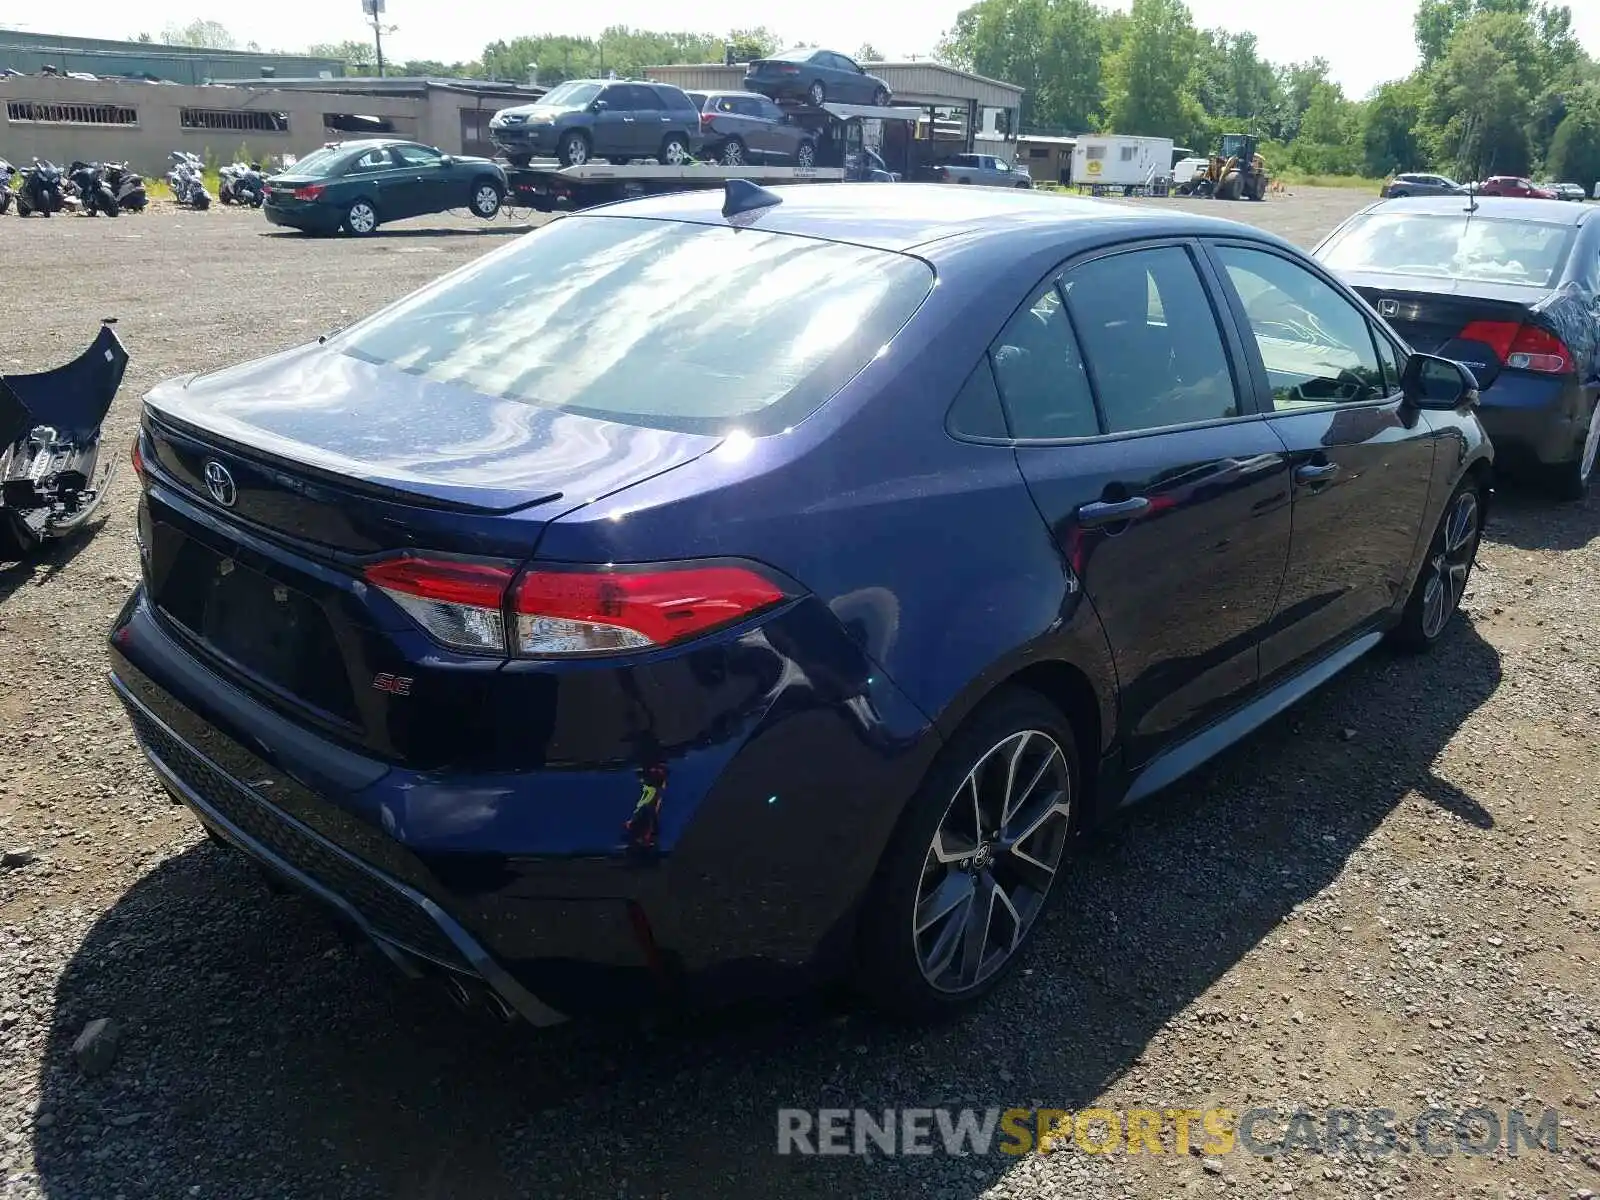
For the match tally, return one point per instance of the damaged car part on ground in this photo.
(720, 666)
(53, 474)
(1510, 288)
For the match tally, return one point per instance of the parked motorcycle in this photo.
(7, 174)
(242, 183)
(187, 180)
(127, 185)
(89, 181)
(41, 191)
(53, 475)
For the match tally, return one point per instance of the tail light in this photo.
(1521, 347)
(786, 69)
(706, 119)
(553, 612)
(138, 455)
(310, 192)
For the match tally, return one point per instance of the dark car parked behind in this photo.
(741, 127)
(1421, 185)
(1511, 288)
(812, 76)
(677, 603)
(586, 119)
(357, 186)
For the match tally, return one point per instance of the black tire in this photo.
(361, 218)
(574, 149)
(732, 153)
(880, 98)
(483, 190)
(964, 179)
(674, 151)
(1398, 194)
(891, 954)
(817, 94)
(1448, 566)
(1572, 480)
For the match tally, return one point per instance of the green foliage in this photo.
(1575, 148)
(203, 35)
(621, 49)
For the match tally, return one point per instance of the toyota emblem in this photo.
(220, 484)
(1388, 308)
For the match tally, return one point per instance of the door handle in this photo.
(1316, 472)
(1109, 512)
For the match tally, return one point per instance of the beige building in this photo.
(141, 123)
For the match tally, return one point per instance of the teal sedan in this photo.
(357, 186)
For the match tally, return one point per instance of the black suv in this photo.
(585, 119)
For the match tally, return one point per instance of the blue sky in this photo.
(1366, 41)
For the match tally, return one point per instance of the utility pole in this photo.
(374, 10)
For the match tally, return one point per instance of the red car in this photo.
(1514, 185)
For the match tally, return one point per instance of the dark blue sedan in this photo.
(1511, 288)
(704, 597)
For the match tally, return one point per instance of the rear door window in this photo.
(1039, 371)
(645, 99)
(1149, 372)
(666, 324)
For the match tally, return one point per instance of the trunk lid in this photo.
(268, 485)
(1430, 313)
(331, 449)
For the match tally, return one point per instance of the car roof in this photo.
(906, 216)
(1549, 212)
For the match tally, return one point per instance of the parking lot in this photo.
(1389, 898)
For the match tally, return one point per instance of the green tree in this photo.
(359, 58)
(1390, 138)
(1575, 149)
(750, 44)
(1327, 142)
(868, 53)
(1052, 49)
(1299, 82)
(1237, 87)
(1481, 96)
(203, 35)
(1149, 78)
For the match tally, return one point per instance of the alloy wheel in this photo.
(674, 153)
(1450, 564)
(818, 94)
(576, 152)
(486, 201)
(733, 153)
(361, 218)
(992, 861)
(806, 156)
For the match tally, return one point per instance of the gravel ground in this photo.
(1389, 898)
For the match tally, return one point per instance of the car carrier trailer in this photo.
(546, 185)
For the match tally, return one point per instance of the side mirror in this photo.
(599, 106)
(447, 160)
(1429, 381)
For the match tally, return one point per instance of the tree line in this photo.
(1502, 87)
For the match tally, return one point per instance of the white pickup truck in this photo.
(984, 169)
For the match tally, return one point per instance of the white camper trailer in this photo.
(1115, 160)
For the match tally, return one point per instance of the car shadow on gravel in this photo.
(1527, 518)
(262, 1056)
(387, 234)
(50, 559)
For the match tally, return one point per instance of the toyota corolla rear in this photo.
(546, 777)
(1510, 288)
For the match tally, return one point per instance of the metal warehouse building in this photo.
(141, 123)
(32, 53)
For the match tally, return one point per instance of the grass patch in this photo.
(1307, 179)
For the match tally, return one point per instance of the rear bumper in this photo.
(1538, 421)
(766, 842)
(310, 219)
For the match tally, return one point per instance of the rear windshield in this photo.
(1468, 247)
(697, 328)
(316, 161)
